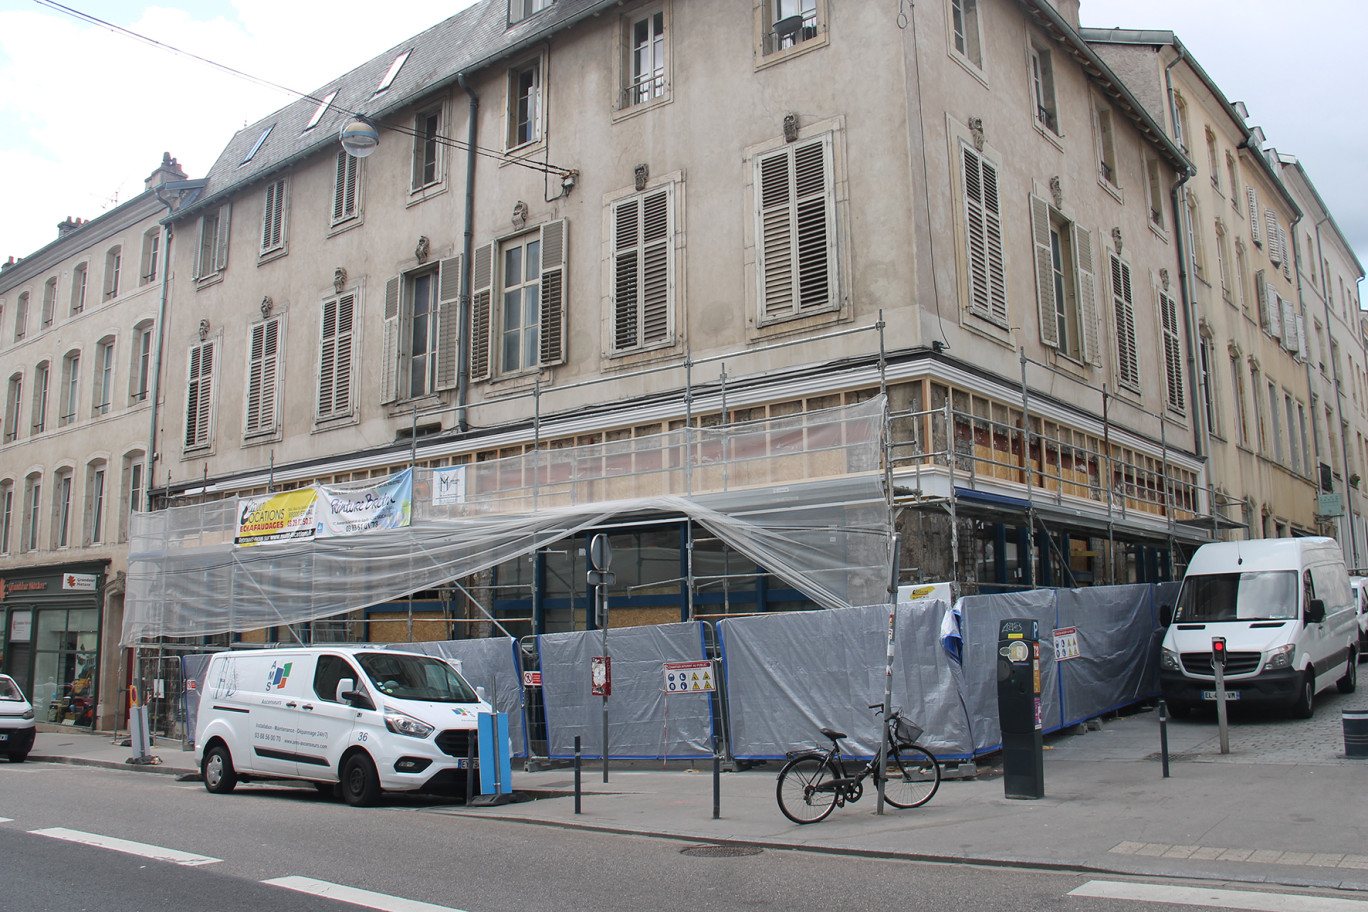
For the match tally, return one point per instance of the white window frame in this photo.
(1066, 283)
(140, 368)
(49, 302)
(211, 257)
(643, 260)
(102, 380)
(644, 69)
(14, 401)
(61, 507)
(1108, 165)
(518, 10)
(428, 149)
(439, 327)
(966, 32)
(80, 275)
(21, 310)
(97, 475)
(30, 535)
(69, 403)
(1044, 98)
(42, 382)
(788, 27)
(486, 362)
(151, 252)
(6, 514)
(131, 490)
(113, 267)
(532, 99)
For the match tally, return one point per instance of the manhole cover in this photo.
(721, 851)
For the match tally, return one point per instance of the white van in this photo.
(1360, 586)
(366, 718)
(1287, 613)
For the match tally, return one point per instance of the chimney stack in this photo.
(168, 170)
(70, 225)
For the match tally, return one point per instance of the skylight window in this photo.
(318, 114)
(392, 72)
(257, 145)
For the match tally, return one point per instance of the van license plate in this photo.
(465, 764)
(1211, 695)
(4, 737)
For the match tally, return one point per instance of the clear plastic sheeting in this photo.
(644, 720)
(492, 665)
(790, 675)
(801, 495)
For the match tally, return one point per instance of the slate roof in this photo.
(474, 38)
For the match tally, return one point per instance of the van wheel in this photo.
(1347, 683)
(360, 782)
(1306, 696)
(219, 776)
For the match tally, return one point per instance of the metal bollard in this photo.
(1163, 736)
(577, 774)
(717, 777)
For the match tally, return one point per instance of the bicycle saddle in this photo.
(832, 734)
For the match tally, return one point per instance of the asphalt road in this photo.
(260, 846)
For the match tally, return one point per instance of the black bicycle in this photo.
(814, 781)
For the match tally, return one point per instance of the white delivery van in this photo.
(1287, 613)
(1360, 586)
(366, 718)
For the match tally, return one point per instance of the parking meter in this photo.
(1019, 710)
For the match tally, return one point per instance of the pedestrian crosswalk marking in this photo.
(1211, 898)
(381, 901)
(1253, 856)
(128, 847)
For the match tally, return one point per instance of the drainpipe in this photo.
(151, 456)
(467, 260)
(1202, 432)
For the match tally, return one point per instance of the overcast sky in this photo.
(85, 114)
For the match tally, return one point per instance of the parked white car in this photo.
(16, 721)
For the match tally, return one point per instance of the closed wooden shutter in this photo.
(552, 310)
(390, 380)
(1123, 302)
(1261, 292)
(273, 220)
(1087, 296)
(199, 395)
(642, 270)
(983, 229)
(1252, 198)
(345, 187)
(1173, 353)
(448, 321)
(481, 316)
(334, 362)
(1274, 249)
(261, 377)
(221, 238)
(796, 230)
(1044, 268)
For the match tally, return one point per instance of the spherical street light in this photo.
(359, 136)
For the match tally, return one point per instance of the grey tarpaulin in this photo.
(643, 721)
(979, 617)
(493, 665)
(788, 675)
(1114, 625)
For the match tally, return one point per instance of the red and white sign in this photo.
(531, 679)
(689, 677)
(81, 582)
(601, 676)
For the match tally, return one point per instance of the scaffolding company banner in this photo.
(353, 511)
(289, 516)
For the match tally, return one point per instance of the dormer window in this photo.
(392, 72)
(257, 145)
(319, 111)
(518, 10)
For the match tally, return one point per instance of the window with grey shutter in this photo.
(262, 368)
(1275, 252)
(335, 357)
(346, 182)
(1046, 293)
(795, 256)
(1261, 291)
(552, 311)
(1123, 304)
(389, 381)
(481, 315)
(273, 218)
(643, 270)
(1173, 353)
(448, 321)
(1252, 199)
(212, 257)
(1087, 295)
(199, 395)
(983, 241)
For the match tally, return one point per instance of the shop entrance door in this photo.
(65, 646)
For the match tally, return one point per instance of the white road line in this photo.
(354, 896)
(6, 819)
(1217, 899)
(128, 847)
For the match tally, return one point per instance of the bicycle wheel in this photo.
(804, 789)
(913, 776)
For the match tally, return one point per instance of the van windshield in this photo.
(1252, 596)
(413, 677)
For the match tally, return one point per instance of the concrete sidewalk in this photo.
(1264, 813)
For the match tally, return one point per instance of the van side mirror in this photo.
(1165, 615)
(480, 692)
(347, 693)
(1315, 611)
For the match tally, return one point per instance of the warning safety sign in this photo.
(689, 677)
